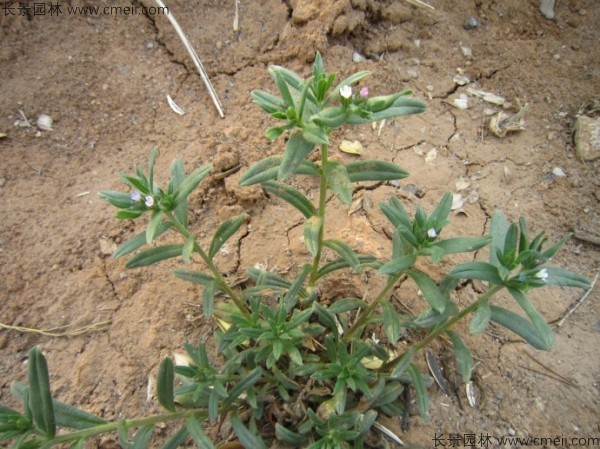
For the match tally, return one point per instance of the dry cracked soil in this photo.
(104, 79)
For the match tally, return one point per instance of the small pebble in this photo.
(471, 23)
(412, 73)
(149, 45)
(557, 171)
(357, 57)
(461, 80)
(44, 122)
(547, 9)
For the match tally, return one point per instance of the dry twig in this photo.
(578, 303)
(94, 327)
(195, 58)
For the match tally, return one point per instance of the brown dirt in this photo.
(104, 80)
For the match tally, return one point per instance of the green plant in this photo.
(296, 369)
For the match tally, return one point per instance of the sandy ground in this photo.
(104, 80)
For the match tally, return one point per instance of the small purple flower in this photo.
(431, 233)
(135, 196)
(346, 91)
(364, 92)
(149, 201)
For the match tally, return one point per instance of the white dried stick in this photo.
(197, 62)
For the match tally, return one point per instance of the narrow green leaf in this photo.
(194, 277)
(194, 428)
(188, 249)
(391, 322)
(117, 199)
(429, 289)
(191, 182)
(544, 331)
(381, 102)
(264, 170)
(139, 240)
(296, 150)
(498, 229)
(511, 242)
(551, 251)
(177, 177)
(398, 265)
(345, 252)
(524, 236)
(564, 278)
(153, 225)
(164, 384)
(440, 215)
(315, 135)
(246, 382)
(480, 319)
(268, 279)
(247, 438)
(420, 390)
(290, 77)
(153, 255)
(283, 89)
(477, 270)
(40, 398)
(140, 184)
(403, 364)
(142, 437)
(330, 117)
(346, 305)
(269, 103)
(177, 439)
(123, 434)
(366, 260)
(312, 229)
(151, 163)
(405, 106)
(65, 415)
(462, 244)
(519, 326)
(129, 214)
(464, 359)
(225, 231)
(287, 436)
(79, 444)
(208, 298)
(339, 182)
(374, 171)
(291, 298)
(292, 196)
(274, 132)
(326, 317)
(395, 213)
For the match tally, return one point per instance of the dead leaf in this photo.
(354, 147)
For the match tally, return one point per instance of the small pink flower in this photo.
(149, 201)
(135, 196)
(364, 92)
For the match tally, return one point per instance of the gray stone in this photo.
(587, 137)
(547, 9)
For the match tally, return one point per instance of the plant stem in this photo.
(223, 285)
(111, 427)
(451, 322)
(322, 200)
(366, 313)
